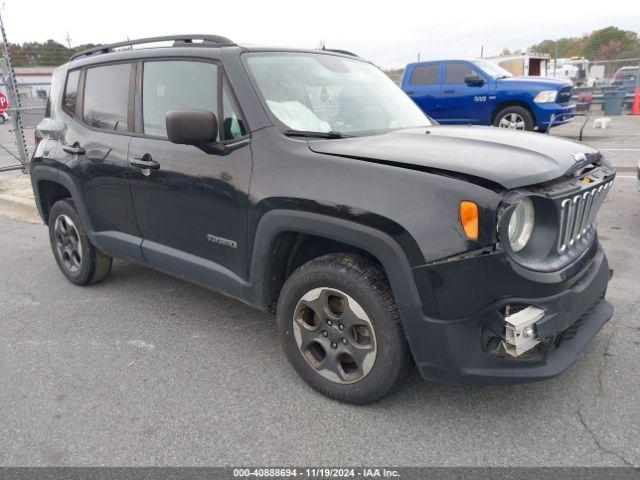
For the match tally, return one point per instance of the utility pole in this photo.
(68, 40)
(481, 51)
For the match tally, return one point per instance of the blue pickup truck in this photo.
(483, 93)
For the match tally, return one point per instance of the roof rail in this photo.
(342, 52)
(178, 40)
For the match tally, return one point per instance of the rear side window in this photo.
(425, 75)
(456, 72)
(176, 85)
(71, 92)
(106, 97)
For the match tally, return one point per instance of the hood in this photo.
(508, 158)
(542, 82)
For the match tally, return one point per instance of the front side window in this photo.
(323, 93)
(71, 92)
(176, 85)
(456, 72)
(425, 75)
(106, 97)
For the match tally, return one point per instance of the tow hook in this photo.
(520, 330)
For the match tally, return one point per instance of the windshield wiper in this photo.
(305, 133)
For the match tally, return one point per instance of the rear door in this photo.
(423, 86)
(99, 121)
(192, 209)
(462, 103)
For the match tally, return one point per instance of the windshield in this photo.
(626, 74)
(493, 69)
(326, 93)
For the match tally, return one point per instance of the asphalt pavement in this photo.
(145, 369)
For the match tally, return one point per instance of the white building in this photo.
(34, 82)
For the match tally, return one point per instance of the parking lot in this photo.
(145, 369)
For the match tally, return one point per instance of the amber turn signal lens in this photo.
(469, 219)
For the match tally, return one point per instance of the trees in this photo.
(563, 47)
(49, 53)
(605, 44)
(608, 43)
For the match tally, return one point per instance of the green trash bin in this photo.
(613, 101)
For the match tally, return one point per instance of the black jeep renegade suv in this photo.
(307, 184)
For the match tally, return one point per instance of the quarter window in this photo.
(232, 124)
(176, 85)
(71, 92)
(425, 75)
(456, 72)
(106, 97)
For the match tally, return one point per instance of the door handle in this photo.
(409, 92)
(146, 161)
(74, 149)
(449, 91)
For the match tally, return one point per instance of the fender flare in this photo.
(377, 243)
(110, 242)
(55, 175)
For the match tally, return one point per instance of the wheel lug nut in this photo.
(329, 322)
(324, 334)
(344, 340)
(341, 327)
(334, 345)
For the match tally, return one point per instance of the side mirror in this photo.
(473, 80)
(192, 127)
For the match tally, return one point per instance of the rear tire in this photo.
(340, 328)
(80, 261)
(514, 118)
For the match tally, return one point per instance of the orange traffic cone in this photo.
(635, 106)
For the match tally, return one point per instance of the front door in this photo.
(462, 102)
(191, 206)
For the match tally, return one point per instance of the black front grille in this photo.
(578, 214)
(564, 95)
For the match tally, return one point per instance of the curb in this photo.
(19, 208)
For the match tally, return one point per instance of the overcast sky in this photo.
(390, 33)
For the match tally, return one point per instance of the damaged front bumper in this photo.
(463, 334)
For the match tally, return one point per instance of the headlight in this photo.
(521, 224)
(547, 96)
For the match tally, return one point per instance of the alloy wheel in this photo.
(512, 121)
(335, 335)
(68, 243)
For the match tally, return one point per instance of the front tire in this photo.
(340, 328)
(80, 261)
(514, 118)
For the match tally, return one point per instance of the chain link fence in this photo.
(24, 91)
(593, 78)
(32, 102)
